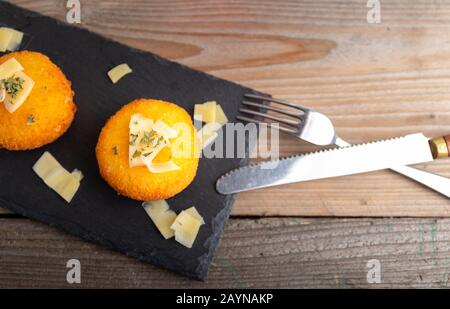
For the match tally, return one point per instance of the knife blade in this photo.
(355, 159)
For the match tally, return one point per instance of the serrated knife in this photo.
(355, 159)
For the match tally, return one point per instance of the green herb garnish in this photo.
(147, 154)
(31, 119)
(133, 138)
(13, 85)
(147, 138)
(115, 150)
(136, 154)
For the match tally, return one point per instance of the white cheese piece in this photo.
(205, 112)
(57, 177)
(118, 72)
(186, 228)
(147, 139)
(138, 124)
(13, 103)
(220, 115)
(16, 40)
(161, 216)
(70, 188)
(193, 212)
(45, 165)
(164, 130)
(158, 168)
(5, 38)
(9, 68)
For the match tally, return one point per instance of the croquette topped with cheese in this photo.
(148, 150)
(47, 111)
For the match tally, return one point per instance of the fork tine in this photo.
(282, 102)
(271, 108)
(283, 129)
(264, 115)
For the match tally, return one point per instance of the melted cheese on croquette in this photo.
(47, 112)
(137, 182)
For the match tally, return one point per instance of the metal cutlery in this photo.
(316, 128)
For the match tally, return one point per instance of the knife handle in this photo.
(440, 147)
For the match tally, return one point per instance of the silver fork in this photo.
(316, 128)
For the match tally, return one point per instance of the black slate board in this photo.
(97, 213)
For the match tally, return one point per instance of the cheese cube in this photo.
(5, 38)
(16, 40)
(205, 112)
(118, 72)
(12, 103)
(186, 228)
(194, 213)
(161, 216)
(57, 177)
(70, 188)
(45, 165)
(9, 68)
(220, 115)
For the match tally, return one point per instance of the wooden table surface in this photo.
(373, 80)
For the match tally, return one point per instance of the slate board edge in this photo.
(47, 219)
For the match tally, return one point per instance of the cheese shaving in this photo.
(194, 213)
(158, 168)
(13, 102)
(164, 130)
(9, 68)
(147, 139)
(10, 39)
(186, 228)
(15, 41)
(57, 177)
(162, 217)
(5, 38)
(118, 72)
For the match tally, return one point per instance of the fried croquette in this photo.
(48, 111)
(138, 182)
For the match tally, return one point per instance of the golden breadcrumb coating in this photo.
(138, 182)
(48, 111)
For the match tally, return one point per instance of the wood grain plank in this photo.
(271, 252)
(373, 80)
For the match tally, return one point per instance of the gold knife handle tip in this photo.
(440, 146)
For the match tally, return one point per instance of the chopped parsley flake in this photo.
(133, 138)
(136, 154)
(115, 150)
(13, 85)
(31, 119)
